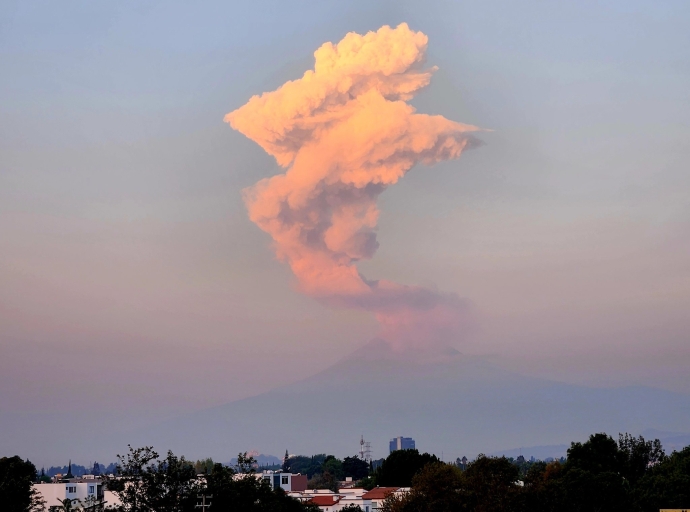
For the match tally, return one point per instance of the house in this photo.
(379, 494)
(288, 482)
(326, 502)
(79, 490)
(329, 501)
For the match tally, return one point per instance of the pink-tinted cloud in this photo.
(344, 132)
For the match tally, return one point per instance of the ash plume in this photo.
(344, 132)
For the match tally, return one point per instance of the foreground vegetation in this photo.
(146, 483)
(598, 475)
(601, 474)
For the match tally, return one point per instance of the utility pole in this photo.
(203, 505)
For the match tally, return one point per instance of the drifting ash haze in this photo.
(344, 132)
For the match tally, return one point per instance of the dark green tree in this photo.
(355, 467)
(203, 466)
(333, 466)
(593, 476)
(594, 491)
(368, 482)
(599, 454)
(16, 491)
(307, 465)
(437, 487)
(352, 508)
(666, 484)
(172, 485)
(543, 490)
(636, 456)
(233, 492)
(323, 480)
(491, 484)
(69, 471)
(400, 466)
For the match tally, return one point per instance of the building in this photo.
(379, 494)
(286, 481)
(401, 443)
(80, 490)
(329, 501)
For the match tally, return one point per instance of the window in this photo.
(91, 489)
(71, 489)
(284, 480)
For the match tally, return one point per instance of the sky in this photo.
(135, 287)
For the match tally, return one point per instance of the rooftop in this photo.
(324, 501)
(379, 493)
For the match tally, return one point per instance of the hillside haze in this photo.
(448, 402)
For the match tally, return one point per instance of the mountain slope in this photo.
(452, 403)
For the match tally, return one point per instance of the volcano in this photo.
(450, 403)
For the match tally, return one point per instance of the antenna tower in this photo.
(364, 449)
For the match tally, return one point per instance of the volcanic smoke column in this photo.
(344, 133)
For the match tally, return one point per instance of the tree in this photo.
(65, 505)
(400, 466)
(43, 478)
(490, 484)
(69, 471)
(333, 466)
(436, 488)
(636, 456)
(598, 454)
(245, 463)
(17, 493)
(147, 483)
(172, 484)
(594, 491)
(593, 478)
(543, 488)
(92, 504)
(203, 466)
(666, 484)
(355, 467)
(325, 480)
(307, 465)
(131, 486)
(233, 492)
(286, 462)
(367, 483)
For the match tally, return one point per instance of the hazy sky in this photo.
(133, 285)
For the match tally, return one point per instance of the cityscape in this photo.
(362, 256)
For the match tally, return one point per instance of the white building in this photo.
(329, 501)
(81, 491)
(378, 495)
(288, 482)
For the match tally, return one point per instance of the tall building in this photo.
(401, 443)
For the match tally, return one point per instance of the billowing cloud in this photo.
(345, 132)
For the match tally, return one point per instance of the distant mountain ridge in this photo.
(449, 402)
(671, 441)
